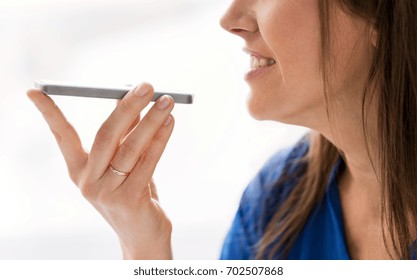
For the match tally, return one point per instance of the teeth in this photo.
(255, 63)
(262, 62)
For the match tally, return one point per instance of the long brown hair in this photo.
(394, 71)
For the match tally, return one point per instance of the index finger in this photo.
(67, 138)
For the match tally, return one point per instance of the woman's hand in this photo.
(116, 177)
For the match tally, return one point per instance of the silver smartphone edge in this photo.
(54, 88)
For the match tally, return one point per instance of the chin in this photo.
(257, 110)
(261, 110)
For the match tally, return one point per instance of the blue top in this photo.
(322, 237)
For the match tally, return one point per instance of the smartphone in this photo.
(56, 88)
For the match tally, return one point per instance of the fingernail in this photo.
(167, 121)
(163, 102)
(142, 90)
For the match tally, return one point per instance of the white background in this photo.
(176, 45)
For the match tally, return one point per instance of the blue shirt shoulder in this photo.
(323, 234)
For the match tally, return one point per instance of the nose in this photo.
(240, 19)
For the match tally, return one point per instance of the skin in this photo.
(128, 203)
(290, 92)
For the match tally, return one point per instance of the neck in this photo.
(361, 164)
(360, 158)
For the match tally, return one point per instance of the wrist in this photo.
(165, 253)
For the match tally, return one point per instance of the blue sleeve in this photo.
(246, 229)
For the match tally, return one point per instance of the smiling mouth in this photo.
(259, 62)
(258, 66)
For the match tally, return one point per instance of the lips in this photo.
(258, 60)
(259, 64)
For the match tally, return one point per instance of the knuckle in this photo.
(103, 137)
(126, 105)
(127, 149)
(146, 161)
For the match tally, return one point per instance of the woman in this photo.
(346, 69)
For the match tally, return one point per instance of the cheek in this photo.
(291, 31)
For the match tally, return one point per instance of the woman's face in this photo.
(283, 41)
